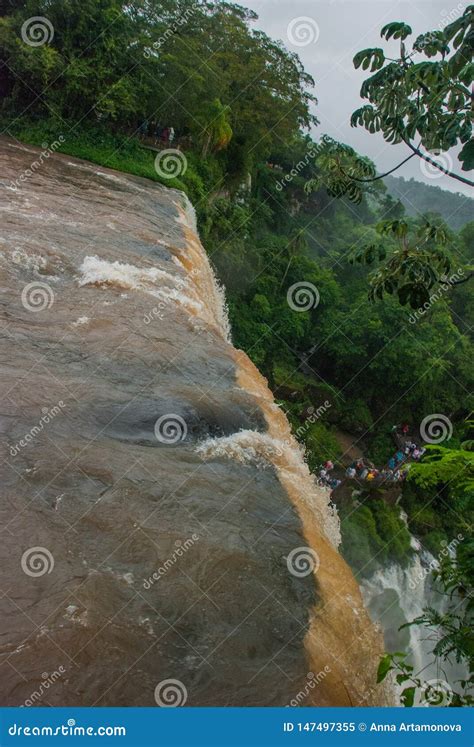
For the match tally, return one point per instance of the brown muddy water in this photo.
(162, 541)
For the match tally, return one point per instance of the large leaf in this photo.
(397, 30)
(466, 156)
(373, 57)
(384, 667)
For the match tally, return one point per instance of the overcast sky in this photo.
(326, 34)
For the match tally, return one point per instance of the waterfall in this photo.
(396, 595)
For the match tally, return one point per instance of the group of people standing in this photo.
(325, 479)
(395, 470)
(162, 135)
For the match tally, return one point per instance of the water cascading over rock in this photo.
(162, 536)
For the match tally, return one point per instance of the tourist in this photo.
(157, 133)
(143, 129)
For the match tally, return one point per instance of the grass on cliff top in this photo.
(105, 148)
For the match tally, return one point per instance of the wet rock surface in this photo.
(128, 557)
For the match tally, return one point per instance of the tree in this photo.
(425, 98)
(409, 98)
(419, 261)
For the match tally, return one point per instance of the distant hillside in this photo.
(456, 208)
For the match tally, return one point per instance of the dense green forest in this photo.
(242, 109)
(416, 197)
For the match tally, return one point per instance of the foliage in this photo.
(418, 263)
(452, 635)
(424, 92)
(373, 534)
(444, 465)
(160, 61)
(340, 169)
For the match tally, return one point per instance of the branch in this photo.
(435, 164)
(381, 176)
(464, 280)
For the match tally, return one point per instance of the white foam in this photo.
(246, 447)
(97, 271)
(82, 320)
(287, 457)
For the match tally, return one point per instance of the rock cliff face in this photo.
(162, 539)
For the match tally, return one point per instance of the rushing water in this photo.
(395, 596)
(154, 498)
